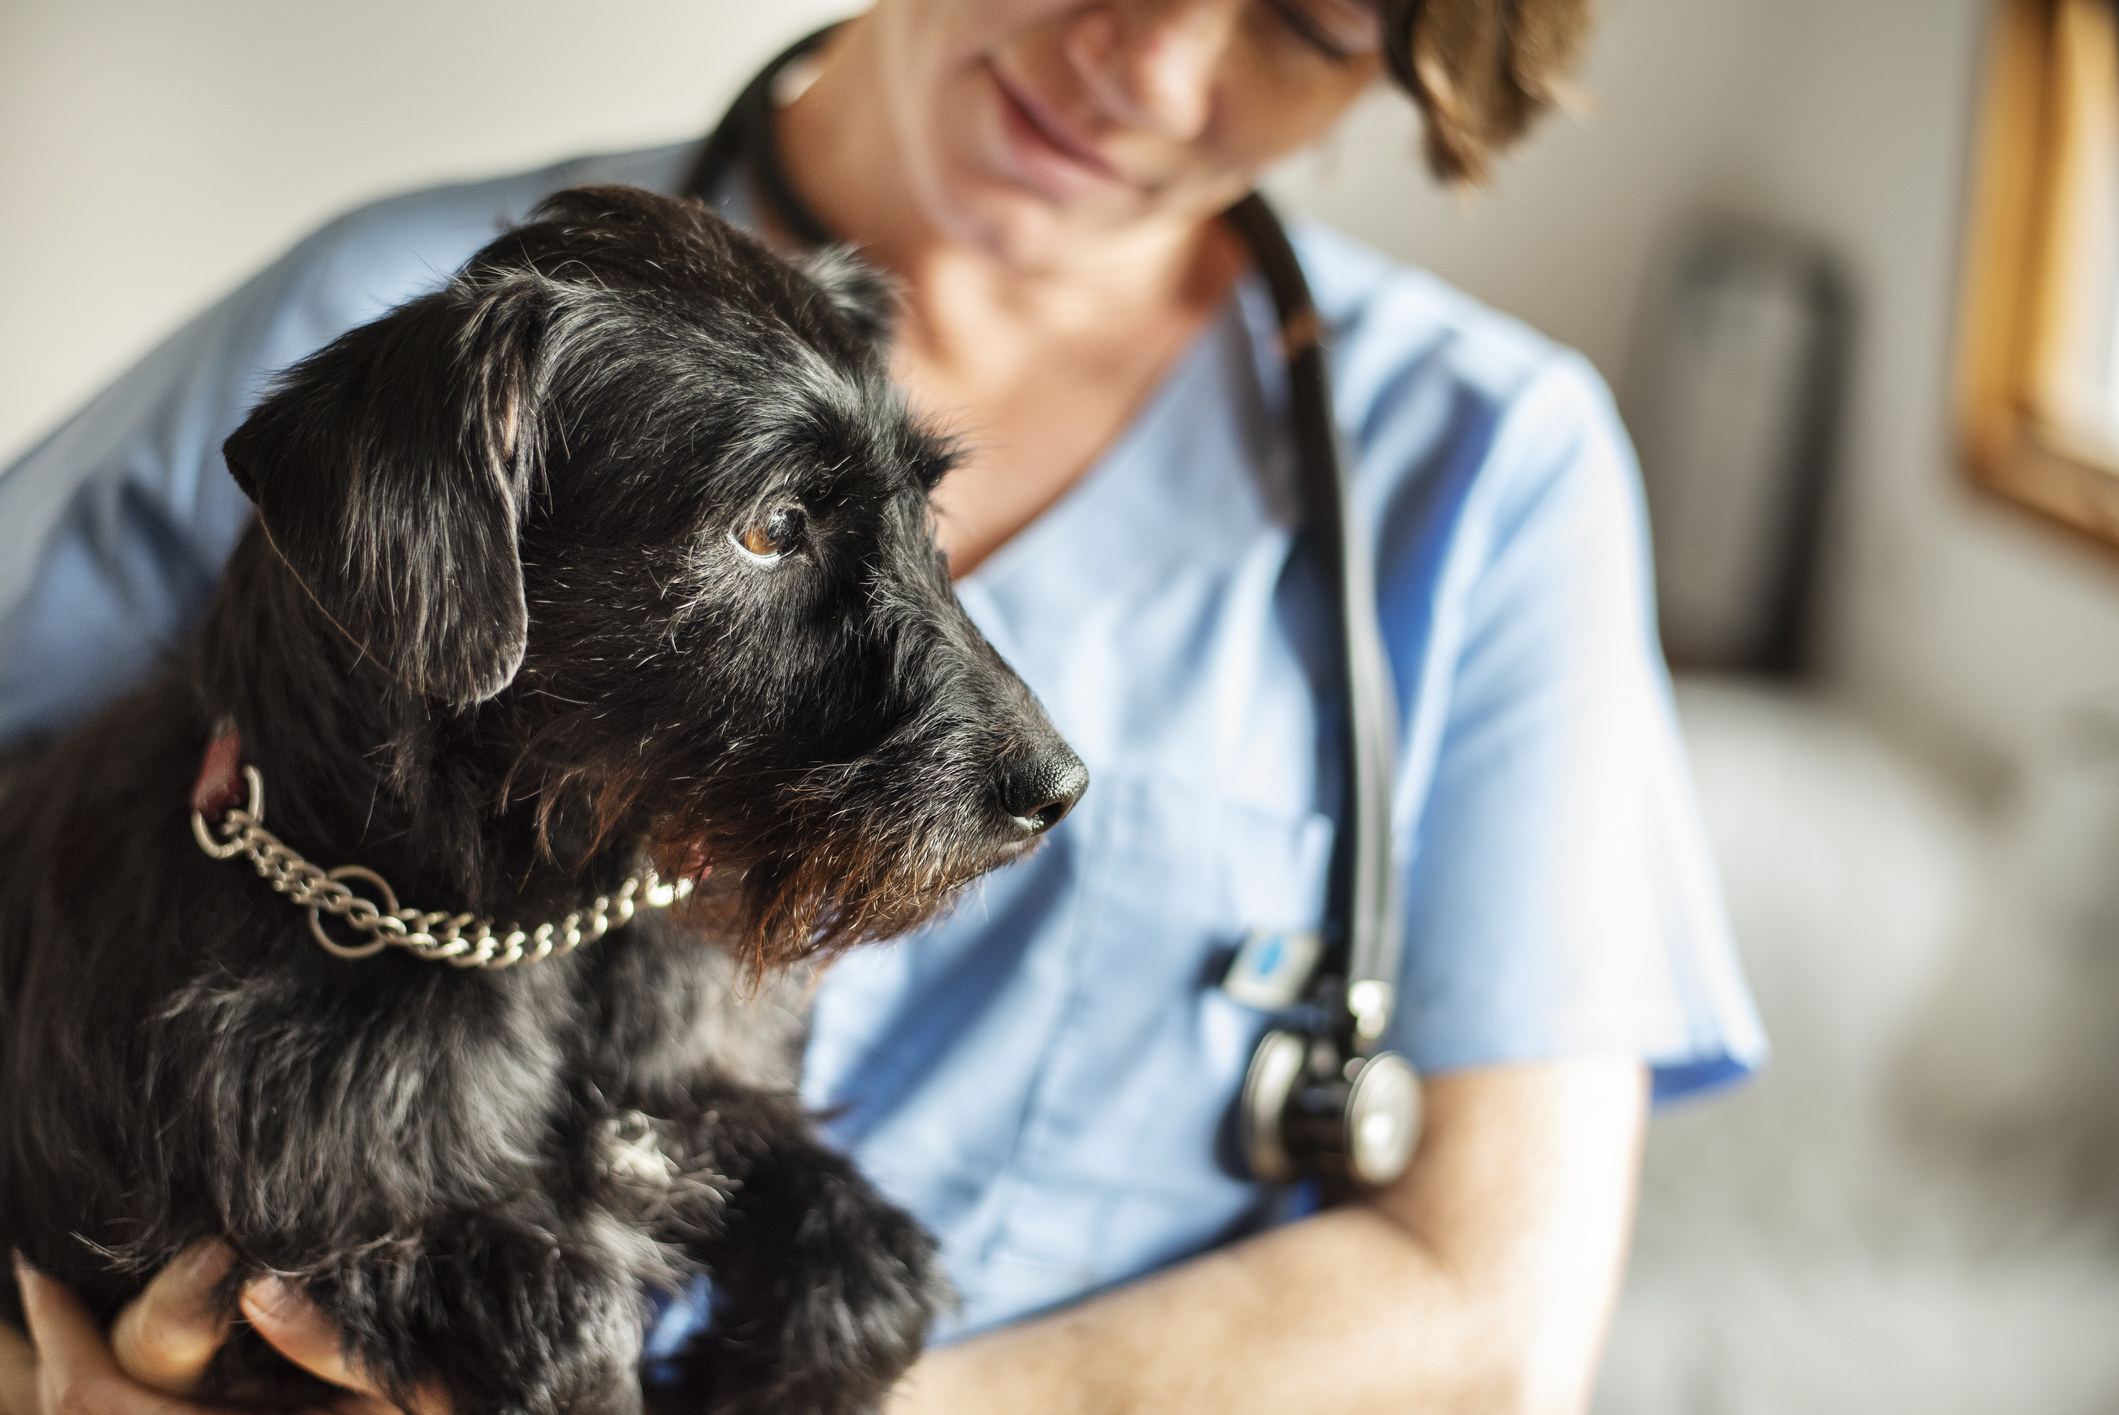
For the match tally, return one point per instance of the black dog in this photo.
(615, 551)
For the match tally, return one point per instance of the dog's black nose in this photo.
(1040, 790)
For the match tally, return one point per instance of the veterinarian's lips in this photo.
(1045, 148)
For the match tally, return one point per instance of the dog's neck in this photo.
(360, 769)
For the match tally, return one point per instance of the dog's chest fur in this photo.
(457, 1165)
(370, 1094)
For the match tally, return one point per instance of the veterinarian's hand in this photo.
(159, 1348)
(305, 1336)
(162, 1344)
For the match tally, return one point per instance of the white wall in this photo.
(1952, 613)
(152, 153)
(1959, 623)
(1564, 234)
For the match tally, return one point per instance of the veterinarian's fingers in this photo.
(363, 1405)
(69, 1348)
(304, 1335)
(75, 1371)
(76, 1374)
(301, 1333)
(166, 1336)
(18, 1374)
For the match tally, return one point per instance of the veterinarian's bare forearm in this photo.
(1482, 1282)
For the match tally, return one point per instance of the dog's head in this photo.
(636, 497)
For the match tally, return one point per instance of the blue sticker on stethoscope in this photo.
(1272, 968)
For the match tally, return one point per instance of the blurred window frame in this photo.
(2038, 331)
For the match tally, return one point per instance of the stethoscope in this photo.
(1321, 1098)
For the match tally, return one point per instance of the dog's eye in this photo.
(772, 535)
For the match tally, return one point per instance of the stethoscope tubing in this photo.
(1359, 971)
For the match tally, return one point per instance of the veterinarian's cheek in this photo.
(1179, 106)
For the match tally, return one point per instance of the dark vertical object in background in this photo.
(1734, 403)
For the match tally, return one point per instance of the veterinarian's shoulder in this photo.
(379, 255)
(1442, 396)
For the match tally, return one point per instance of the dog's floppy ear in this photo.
(863, 297)
(390, 471)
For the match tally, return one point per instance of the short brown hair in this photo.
(1481, 70)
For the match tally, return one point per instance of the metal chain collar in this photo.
(460, 940)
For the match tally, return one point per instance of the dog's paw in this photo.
(506, 1319)
(868, 1286)
(825, 1319)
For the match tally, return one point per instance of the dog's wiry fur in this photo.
(493, 636)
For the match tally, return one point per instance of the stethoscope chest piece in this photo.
(1307, 1109)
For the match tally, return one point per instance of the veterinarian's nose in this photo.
(1039, 791)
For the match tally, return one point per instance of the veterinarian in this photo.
(1046, 1079)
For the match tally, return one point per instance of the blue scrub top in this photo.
(1045, 1078)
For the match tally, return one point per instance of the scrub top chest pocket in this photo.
(1152, 1051)
(1092, 1141)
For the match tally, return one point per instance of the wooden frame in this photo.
(2050, 114)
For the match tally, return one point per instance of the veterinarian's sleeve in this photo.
(114, 529)
(1560, 897)
(115, 526)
